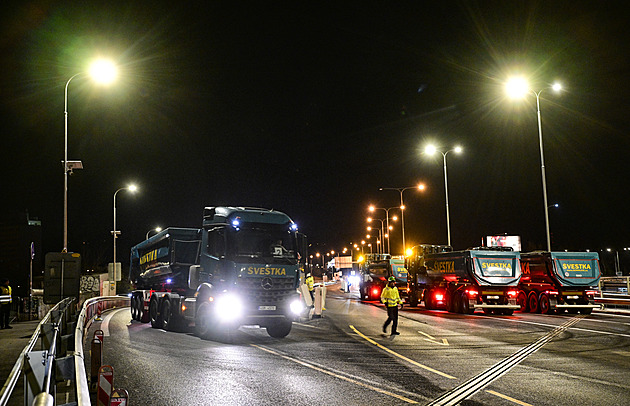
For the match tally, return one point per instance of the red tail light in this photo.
(471, 292)
(551, 292)
(591, 292)
(375, 291)
(439, 297)
(512, 293)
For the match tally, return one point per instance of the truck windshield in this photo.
(268, 242)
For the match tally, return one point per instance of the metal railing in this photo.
(39, 390)
(614, 290)
(54, 316)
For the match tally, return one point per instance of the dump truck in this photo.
(374, 274)
(241, 268)
(559, 281)
(417, 279)
(476, 278)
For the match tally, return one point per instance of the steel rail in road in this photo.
(477, 383)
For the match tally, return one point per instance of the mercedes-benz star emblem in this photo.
(266, 283)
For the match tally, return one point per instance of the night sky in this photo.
(309, 108)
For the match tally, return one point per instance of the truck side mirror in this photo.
(193, 277)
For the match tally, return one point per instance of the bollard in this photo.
(96, 360)
(105, 385)
(120, 397)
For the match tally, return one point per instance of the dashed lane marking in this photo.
(394, 353)
(338, 376)
(518, 402)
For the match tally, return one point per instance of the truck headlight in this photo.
(228, 307)
(296, 306)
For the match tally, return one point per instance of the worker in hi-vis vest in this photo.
(391, 298)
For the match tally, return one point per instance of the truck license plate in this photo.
(266, 307)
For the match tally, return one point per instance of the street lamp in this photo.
(518, 88)
(156, 229)
(115, 233)
(387, 217)
(402, 209)
(430, 150)
(103, 72)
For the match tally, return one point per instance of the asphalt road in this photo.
(343, 358)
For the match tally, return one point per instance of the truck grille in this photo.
(267, 291)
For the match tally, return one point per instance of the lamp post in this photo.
(156, 229)
(115, 233)
(102, 72)
(402, 209)
(387, 217)
(430, 150)
(518, 88)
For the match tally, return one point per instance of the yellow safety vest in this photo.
(390, 296)
(6, 290)
(309, 283)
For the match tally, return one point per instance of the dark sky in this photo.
(310, 107)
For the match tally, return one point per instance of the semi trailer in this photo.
(242, 267)
(477, 278)
(559, 281)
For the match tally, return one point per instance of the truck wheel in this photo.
(168, 321)
(280, 329)
(203, 321)
(154, 314)
(413, 299)
(428, 300)
(521, 300)
(532, 300)
(545, 305)
(465, 304)
(134, 308)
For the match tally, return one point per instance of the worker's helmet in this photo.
(308, 274)
(391, 279)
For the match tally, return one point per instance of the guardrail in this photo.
(40, 367)
(614, 284)
(49, 328)
(90, 308)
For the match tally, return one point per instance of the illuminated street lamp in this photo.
(156, 229)
(103, 72)
(116, 233)
(519, 88)
(387, 217)
(402, 208)
(430, 150)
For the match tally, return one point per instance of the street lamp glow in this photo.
(430, 150)
(132, 188)
(458, 150)
(517, 87)
(556, 87)
(103, 71)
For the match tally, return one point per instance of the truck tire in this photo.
(203, 321)
(168, 319)
(465, 304)
(134, 308)
(280, 329)
(521, 300)
(544, 304)
(154, 313)
(413, 299)
(428, 299)
(532, 301)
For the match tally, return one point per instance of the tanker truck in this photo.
(241, 268)
(477, 278)
(558, 281)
